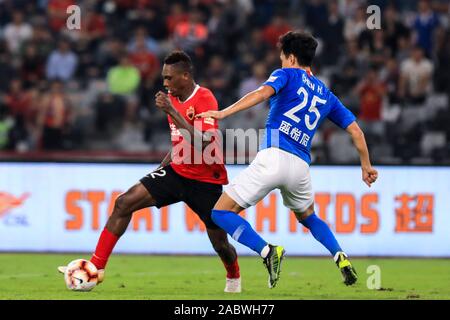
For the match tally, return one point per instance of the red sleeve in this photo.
(205, 103)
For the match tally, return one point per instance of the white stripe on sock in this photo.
(237, 233)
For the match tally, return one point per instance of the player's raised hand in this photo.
(211, 114)
(163, 102)
(369, 175)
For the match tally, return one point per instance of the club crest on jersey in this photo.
(190, 113)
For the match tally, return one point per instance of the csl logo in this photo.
(9, 202)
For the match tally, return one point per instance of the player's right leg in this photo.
(158, 188)
(201, 198)
(136, 198)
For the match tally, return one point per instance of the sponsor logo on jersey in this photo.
(174, 131)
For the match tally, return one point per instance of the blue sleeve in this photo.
(339, 114)
(277, 80)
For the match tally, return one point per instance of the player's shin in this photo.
(322, 233)
(240, 230)
(230, 261)
(232, 269)
(105, 246)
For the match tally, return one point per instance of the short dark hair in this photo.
(181, 59)
(299, 43)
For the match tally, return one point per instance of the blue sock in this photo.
(239, 229)
(322, 233)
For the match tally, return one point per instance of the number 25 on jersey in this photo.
(312, 109)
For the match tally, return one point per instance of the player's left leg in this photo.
(201, 198)
(298, 196)
(228, 255)
(322, 233)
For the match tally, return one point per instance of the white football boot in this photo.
(233, 285)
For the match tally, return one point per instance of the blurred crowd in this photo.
(93, 88)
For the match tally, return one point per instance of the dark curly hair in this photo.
(181, 59)
(299, 43)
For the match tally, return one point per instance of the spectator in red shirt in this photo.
(93, 26)
(57, 13)
(17, 100)
(175, 17)
(53, 117)
(371, 91)
(190, 35)
(144, 60)
(275, 29)
(21, 104)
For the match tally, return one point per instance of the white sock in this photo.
(336, 256)
(265, 251)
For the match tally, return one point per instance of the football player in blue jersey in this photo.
(299, 102)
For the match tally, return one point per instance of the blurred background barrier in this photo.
(62, 207)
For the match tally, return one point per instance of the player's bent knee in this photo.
(122, 204)
(303, 214)
(226, 203)
(136, 198)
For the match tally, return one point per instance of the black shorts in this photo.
(168, 187)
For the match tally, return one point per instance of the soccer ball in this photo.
(81, 275)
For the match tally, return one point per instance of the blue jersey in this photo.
(300, 103)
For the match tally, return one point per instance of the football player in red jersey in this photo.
(179, 177)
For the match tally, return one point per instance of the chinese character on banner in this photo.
(414, 213)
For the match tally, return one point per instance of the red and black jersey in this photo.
(187, 165)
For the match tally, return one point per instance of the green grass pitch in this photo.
(34, 276)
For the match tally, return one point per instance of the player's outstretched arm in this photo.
(369, 174)
(249, 100)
